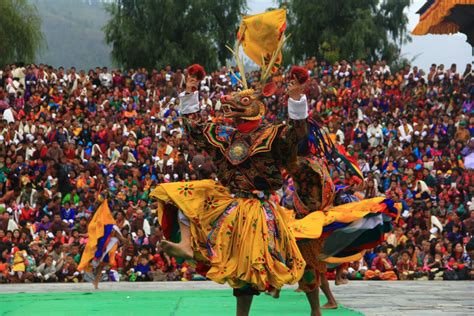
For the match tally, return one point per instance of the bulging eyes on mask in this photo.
(244, 105)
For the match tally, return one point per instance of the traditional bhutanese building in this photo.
(446, 17)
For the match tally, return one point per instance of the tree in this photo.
(225, 19)
(340, 29)
(20, 32)
(156, 33)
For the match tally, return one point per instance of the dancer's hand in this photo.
(295, 89)
(191, 84)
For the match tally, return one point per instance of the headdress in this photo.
(300, 73)
(262, 38)
(197, 71)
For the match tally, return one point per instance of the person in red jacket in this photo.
(405, 266)
(381, 268)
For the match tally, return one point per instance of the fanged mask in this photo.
(244, 105)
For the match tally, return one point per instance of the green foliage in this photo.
(225, 18)
(20, 31)
(160, 32)
(341, 29)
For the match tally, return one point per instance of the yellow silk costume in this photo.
(230, 235)
(235, 237)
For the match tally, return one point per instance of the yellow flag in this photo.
(97, 229)
(260, 34)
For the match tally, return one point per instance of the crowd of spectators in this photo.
(68, 136)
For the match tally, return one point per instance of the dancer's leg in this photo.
(310, 281)
(331, 304)
(183, 249)
(243, 305)
(98, 274)
(339, 278)
(313, 299)
(102, 264)
(275, 293)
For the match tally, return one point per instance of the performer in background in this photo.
(103, 239)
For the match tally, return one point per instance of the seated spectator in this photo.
(406, 268)
(68, 214)
(46, 271)
(69, 272)
(140, 222)
(140, 239)
(421, 194)
(142, 271)
(381, 268)
(470, 252)
(356, 270)
(458, 265)
(22, 265)
(4, 270)
(469, 223)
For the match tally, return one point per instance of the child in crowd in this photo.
(382, 268)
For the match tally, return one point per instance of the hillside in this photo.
(73, 31)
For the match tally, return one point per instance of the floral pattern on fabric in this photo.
(217, 225)
(313, 186)
(245, 241)
(272, 227)
(211, 203)
(186, 189)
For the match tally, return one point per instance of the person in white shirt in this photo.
(340, 137)
(12, 225)
(9, 115)
(53, 78)
(113, 154)
(19, 73)
(72, 79)
(12, 86)
(375, 134)
(384, 68)
(405, 131)
(30, 149)
(28, 127)
(206, 103)
(105, 78)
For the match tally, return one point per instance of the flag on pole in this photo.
(260, 35)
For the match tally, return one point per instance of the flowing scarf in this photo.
(249, 126)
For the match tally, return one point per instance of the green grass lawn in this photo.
(173, 303)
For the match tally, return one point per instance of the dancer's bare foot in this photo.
(341, 281)
(329, 306)
(96, 284)
(177, 250)
(298, 290)
(275, 293)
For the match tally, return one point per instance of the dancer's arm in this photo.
(189, 111)
(119, 235)
(297, 112)
(297, 127)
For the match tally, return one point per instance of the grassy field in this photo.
(175, 303)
